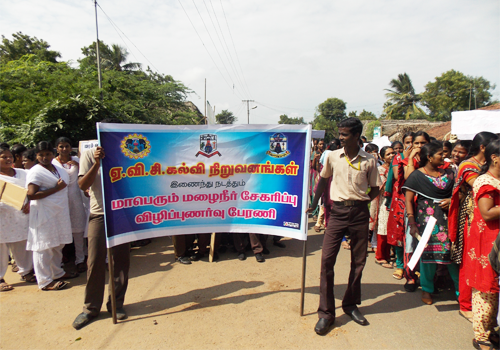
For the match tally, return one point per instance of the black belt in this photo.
(350, 203)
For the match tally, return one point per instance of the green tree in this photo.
(332, 109)
(403, 99)
(370, 128)
(285, 119)
(329, 113)
(45, 100)
(454, 91)
(225, 117)
(23, 44)
(365, 115)
(112, 58)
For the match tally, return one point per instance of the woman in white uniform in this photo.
(77, 212)
(14, 225)
(50, 226)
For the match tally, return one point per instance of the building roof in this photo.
(440, 131)
(494, 107)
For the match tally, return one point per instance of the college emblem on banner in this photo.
(208, 146)
(278, 146)
(135, 146)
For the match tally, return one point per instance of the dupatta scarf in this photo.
(461, 211)
(390, 179)
(427, 205)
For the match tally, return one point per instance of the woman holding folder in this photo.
(13, 225)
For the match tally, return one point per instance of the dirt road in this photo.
(232, 304)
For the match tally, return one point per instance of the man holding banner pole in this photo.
(90, 179)
(353, 171)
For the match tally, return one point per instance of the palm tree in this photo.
(403, 99)
(116, 57)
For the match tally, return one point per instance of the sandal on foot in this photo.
(466, 314)
(346, 245)
(383, 263)
(68, 276)
(4, 286)
(317, 228)
(15, 268)
(477, 344)
(29, 277)
(398, 274)
(56, 285)
(81, 267)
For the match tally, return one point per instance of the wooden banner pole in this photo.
(303, 285)
(212, 247)
(111, 285)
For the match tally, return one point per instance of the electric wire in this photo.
(117, 28)
(235, 51)
(117, 32)
(224, 49)
(238, 111)
(203, 43)
(277, 110)
(210, 36)
(229, 50)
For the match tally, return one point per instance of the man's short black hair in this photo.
(371, 147)
(354, 124)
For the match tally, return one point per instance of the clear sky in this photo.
(288, 55)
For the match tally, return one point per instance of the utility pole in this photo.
(206, 120)
(248, 109)
(470, 96)
(97, 51)
(475, 97)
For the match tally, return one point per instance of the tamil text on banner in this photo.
(163, 180)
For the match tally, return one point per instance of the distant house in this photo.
(395, 129)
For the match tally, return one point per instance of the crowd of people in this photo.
(370, 199)
(64, 209)
(457, 184)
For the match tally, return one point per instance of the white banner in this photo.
(467, 124)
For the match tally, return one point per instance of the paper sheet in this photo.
(423, 242)
(12, 195)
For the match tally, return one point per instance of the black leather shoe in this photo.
(242, 256)
(183, 260)
(357, 316)
(196, 256)
(266, 251)
(410, 287)
(82, 320)
(259, 257)
(323, 326)
(279, 244)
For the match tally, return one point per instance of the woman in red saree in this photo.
(395, 205)
(462, 212)
(479, 274)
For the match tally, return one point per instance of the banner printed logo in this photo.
(278, 146)
(208, 146)
(135, 146)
